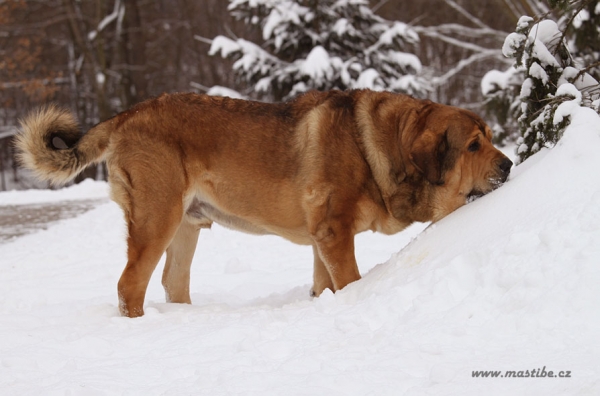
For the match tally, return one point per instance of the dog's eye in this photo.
(474, 146)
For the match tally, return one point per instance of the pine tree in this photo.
(552, 83)
(502, 104)
(582, 21)
(324, 44)
(539, 50)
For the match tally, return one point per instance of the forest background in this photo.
(99, 57)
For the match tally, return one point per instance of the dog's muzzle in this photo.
(505, 165)
(501, 176)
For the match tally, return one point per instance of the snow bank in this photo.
(508, 282)
(88, 189)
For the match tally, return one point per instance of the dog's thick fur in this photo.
(316, 170)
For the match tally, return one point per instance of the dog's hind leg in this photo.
(149, 237)
(153, 214)
(176, 275)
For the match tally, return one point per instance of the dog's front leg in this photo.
(321, 278)
(335, 248)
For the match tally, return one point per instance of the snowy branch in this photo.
(117, 15)
(441, 80)
(433, 32)
(203, 39)
(45, 81)
(379, 5)
(476, 21)
(456, 29)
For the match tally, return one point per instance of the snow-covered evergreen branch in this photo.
(330, 44)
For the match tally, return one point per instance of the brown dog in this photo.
(316, 170)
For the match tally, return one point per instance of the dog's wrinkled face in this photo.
(489, 168)
(454, 151)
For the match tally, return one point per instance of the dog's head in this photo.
(452, 148)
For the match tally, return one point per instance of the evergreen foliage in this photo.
(551, 81)
(501, 103)
(321, 45)
(582, 20)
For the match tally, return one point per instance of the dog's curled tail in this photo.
(51, 144)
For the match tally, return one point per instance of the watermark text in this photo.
(534, 373)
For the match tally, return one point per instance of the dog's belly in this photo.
(204, 211)
(205, 214)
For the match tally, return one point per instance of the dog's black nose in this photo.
(505, 165)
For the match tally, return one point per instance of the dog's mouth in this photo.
(473, 195)
(494, 183)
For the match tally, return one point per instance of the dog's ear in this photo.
(428, 153)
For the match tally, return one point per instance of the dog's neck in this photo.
(403, 189)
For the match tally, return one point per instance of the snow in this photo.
(342, 27)
(92, 35)
(544, 35)
(547, 31)
(566, 108)
(100, 78)
(223, 45)
(273, 20)
(369, 79)
(496, 79)
(508, 282)
(117, 14)
(407, 83)
(87, 189)
(397, 30)
(318, 65)
(580, 18)
(569, 89)
(406, 60)
(492, 81)
(526, 88)
(343, 33)
(281, 17)
(217, 90)
(254, 57)
(524, 22)
(583, 81)
(511, 43)
(537, 71)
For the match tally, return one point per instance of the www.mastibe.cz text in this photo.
(535, 373)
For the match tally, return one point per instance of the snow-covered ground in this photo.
(508, 282)
(88, 189)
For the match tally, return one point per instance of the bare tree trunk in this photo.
(2, 176)
(84, 44)
(135, 82)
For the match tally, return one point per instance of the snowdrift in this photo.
(508, 283)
